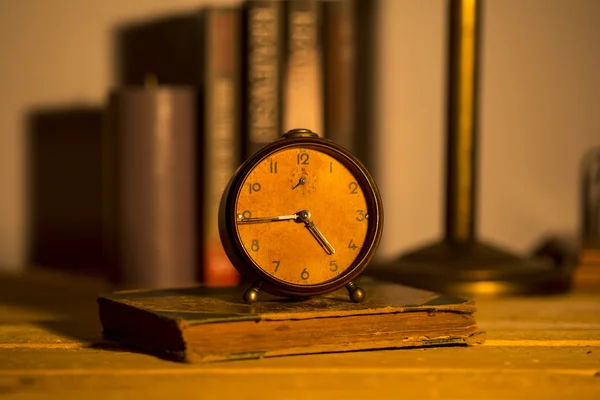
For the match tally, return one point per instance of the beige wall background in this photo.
(539, 110)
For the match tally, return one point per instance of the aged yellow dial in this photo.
(301, 217)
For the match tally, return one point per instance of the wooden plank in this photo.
(49, 333)
(465, 358)
(482, 372)
(544, 343)
(543, 335)
(363, 385)
(571, 311)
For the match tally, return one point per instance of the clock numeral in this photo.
(254, 246)
(303, 158)
(331, 166)
(361, 215)
(253, 187)
(276, 265)
(353, 186)
(333, 266)
(351, 245)
(304, 275)
(272, 166)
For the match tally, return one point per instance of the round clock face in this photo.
(303, 217)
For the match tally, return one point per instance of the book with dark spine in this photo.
(339, 72)
(303, 83)
(66, 215)
(221, 152)
(212, 324)
(167, 48)
(152, 132)
(365, 96)
(263, 29)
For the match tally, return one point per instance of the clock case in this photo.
(252, 273)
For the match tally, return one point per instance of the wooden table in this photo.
(537, 348)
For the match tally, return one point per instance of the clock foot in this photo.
(251, 294)
(357, 294)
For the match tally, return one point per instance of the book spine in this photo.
(155, 131)
(365, 64)
(65, 203)
(263, 73)
(221, 139)
(303, 94)
(590, 199)
(339, 72)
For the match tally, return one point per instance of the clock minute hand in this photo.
(304, 216)
(260, 220)
(320, 238)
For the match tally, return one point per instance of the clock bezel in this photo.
(249, 269)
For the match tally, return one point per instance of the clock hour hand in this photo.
(260, 220)
(304, 216)
(301, 182)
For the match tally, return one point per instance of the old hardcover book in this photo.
(263, 28)
(211, 324)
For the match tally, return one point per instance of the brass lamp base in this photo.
(475, 269)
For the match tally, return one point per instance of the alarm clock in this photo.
(301, 217)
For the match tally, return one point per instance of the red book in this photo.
(220, 153)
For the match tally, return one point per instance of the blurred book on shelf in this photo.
(151, 135)
(306, 65)
(339, 73)
(65, 189)
(167, 47)
(303, 67)
(262, 69)
(586, 276)
(220, 150)
(587, 273)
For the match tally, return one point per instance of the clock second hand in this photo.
(304, 216)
